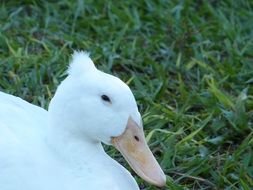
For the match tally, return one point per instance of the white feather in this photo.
(81, 63)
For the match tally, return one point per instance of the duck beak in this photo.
(134, 148)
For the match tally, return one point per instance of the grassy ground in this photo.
(189, 63)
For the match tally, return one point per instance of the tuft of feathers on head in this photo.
(80, 63)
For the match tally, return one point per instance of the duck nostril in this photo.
(136, 138)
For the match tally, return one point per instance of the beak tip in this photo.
(158, 180)
(162, 181)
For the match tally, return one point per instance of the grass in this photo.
(189, 64)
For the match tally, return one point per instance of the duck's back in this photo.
(19, 120)
(21, 136)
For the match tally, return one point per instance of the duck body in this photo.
(60, 149)
(28, 161)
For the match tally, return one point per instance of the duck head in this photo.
(93, 105)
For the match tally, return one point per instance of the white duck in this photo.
(61, 149)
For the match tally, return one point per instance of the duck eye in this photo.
(105, 98)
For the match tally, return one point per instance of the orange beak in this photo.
(134, 148)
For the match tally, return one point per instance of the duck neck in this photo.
(74, 149)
